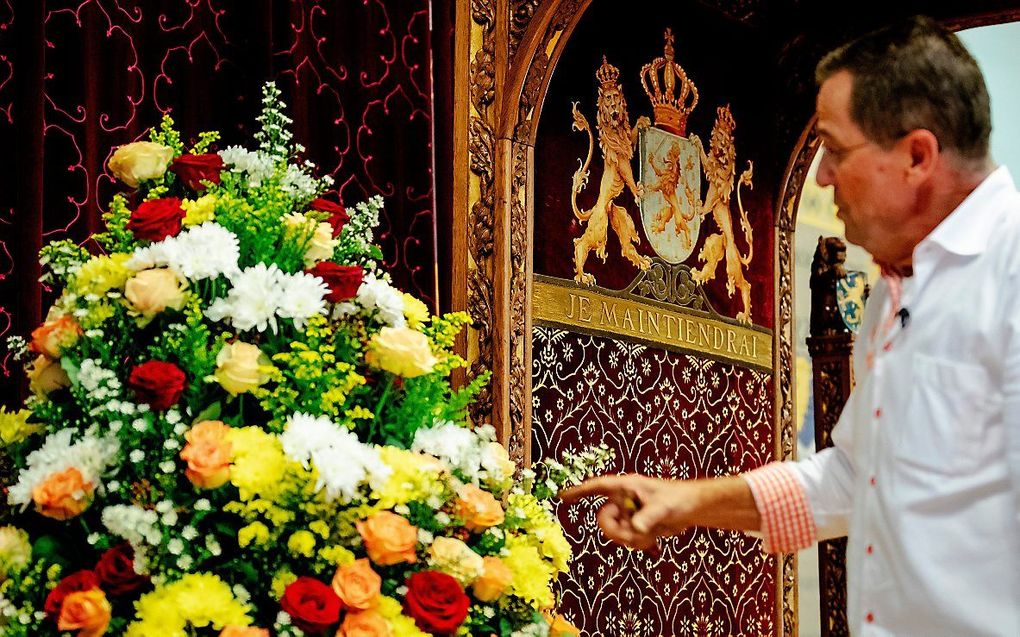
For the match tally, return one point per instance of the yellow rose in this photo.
(46, 375)
(478, 508)
(59, 332)
(389, 539)
(415, 311)
(207, 454)
(401, 351)
(15, 550)
(241, 367)
(453, 557)
(140, 161)
(494, 581)
(88, 612)
(357, 585)
(63, 495)
(152, 291)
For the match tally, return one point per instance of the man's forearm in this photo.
(720, 503)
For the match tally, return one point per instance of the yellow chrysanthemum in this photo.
(197, 600)
(199, 211)
(415, 477)
(259, 463)
(415, 311)
(337, 555)
(101, 274)
(14, 426)
(532, 575)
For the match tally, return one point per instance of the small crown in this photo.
(673, 95)
(607, 74)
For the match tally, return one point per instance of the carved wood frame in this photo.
(506, 51)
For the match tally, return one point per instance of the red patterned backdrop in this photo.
(78, 77)
(670, 415)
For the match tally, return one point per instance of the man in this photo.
(924, 475)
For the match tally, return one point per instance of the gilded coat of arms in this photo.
(668, 191)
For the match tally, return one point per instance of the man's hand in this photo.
(639, 509)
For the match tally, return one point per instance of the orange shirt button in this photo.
(870, 549)
(878, 413)
(887, 347)
(872, 481)
(869, 618)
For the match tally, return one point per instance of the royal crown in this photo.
(672, 93)
(607, 74)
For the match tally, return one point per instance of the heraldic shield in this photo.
(670, 170)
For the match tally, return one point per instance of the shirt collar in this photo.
(968, 229)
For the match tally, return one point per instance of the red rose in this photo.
(312, 605)
(116, 571)
(193, 169)
(73, 583)
(157, 383)
(157, 219)
(343, 280)
(338, 216)
(436, 602)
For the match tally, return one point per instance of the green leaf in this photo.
(212, 412)
(72, 368)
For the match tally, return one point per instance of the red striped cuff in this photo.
(786, 521)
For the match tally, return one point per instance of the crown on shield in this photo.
(672, 93)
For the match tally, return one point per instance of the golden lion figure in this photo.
(720, 170)
(617, 141)
(668, 179)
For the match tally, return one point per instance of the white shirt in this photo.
(924, 474)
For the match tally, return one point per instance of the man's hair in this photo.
(911, 75)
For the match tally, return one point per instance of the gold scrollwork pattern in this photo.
(670, 283)
(519, 283)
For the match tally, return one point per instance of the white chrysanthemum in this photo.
(91, 456)
(376, 297)
(303, 297)
(200, 252)
(342, 462)
(252, 301)
(458, 446)
(205, 252)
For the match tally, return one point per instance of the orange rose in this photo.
(494, 580)
(478, 508)
(389, 538)
(560, 627)
(55, 335)
(207, 454)
(63, 495)
(367, 623)
(244, 631)
(357, 585)
(85, 611)
(46, 376)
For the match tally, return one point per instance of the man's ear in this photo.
(922, 151)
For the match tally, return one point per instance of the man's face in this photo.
(872, 199)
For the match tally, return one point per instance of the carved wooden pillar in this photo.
(831, 348)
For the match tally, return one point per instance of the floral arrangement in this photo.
(239, 427)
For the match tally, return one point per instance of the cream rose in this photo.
(152, 291)
(15, 550)
(401, 351)
(140, 161)
(321, 245)
(453, 557)
(46, 375)
(241, 367)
